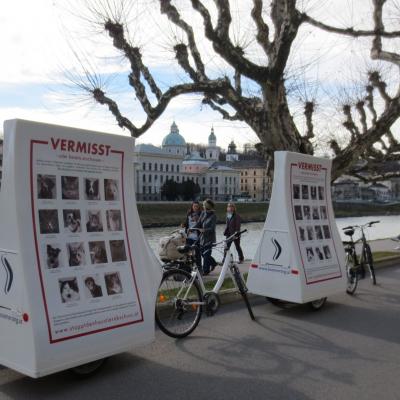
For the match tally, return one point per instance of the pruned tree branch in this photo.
(262, 35)
(222, 44)
(350, 31)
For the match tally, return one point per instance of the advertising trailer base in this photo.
(300, 257)
(78, 280)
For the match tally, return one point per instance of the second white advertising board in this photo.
(300, 256)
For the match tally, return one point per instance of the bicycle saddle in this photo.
(349, 232)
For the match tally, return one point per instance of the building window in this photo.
(144, 166)
(245, 173)
(144, 189)
(155, 177)
(241, 181)
(204, 190)
(172, 168)
(149, 189)
(155, 166)
(234, 180)
(230, 180)
(166, 178)
(226, 180)
(216, 190)
(177, 168)
(211, 180)
(144, 178)
(210, 155)
(254, 172)
(161, 167)
(177, 178)
(204, 180)
(216, 180)
(161, 178)
(245, 180)
(255, 180)
(166, 167)
(197, 180)
(149, 166)
(149, 177)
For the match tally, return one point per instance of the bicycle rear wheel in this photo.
(178, 304)
(370, 263)
(352, 277)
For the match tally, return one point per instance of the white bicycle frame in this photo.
(221, 278)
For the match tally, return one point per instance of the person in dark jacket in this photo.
(192, 218)
(207, 224)
(233, 222)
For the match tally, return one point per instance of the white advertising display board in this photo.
(78, 280)
(300, 256)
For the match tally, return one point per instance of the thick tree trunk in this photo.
(274, 125)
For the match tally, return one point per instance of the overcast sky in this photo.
(36, 58)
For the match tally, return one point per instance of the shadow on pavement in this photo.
(129, 377)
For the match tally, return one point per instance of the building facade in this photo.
(156, 165)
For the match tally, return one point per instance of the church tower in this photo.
(232, 154)
(212, 150)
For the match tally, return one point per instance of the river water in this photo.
(388, 227)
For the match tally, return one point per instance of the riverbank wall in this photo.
(158, 214)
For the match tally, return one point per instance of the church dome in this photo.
(174, 138)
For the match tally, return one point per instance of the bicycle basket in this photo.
(168, 246)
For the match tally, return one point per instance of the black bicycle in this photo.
(356, 265)
(182, 293)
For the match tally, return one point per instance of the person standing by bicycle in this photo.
(233, 222)
(207, 224)
(193, 235)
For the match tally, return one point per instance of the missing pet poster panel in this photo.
(82, 246)
(309, 188)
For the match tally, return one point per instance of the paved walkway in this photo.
(348, 350)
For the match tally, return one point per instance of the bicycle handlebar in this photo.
(367, 225)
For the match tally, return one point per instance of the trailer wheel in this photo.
(317, 304)
(88, 369)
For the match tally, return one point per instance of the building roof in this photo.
(174, 138)
(378, 186)
(346, 182)
(221, 166)
(149, 148)
(195, 158)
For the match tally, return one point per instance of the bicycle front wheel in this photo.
(352, 277)
(179, 304)
(370, 263)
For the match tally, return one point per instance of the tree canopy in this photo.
(368, 118)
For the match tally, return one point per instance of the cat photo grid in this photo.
(311, 222)
(81, 229)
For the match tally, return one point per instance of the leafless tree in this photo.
(267, 110)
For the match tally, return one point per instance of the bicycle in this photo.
(182, 294)
(356, 265)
